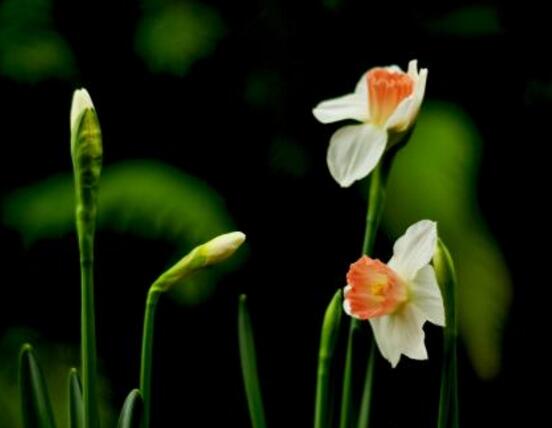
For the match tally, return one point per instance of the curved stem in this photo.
(147, 353)
(376, 197)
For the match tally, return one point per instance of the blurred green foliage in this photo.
(435, 177)
(30, 48)
(469, 21)
(172, 35)
(56, 361)
(143, 198)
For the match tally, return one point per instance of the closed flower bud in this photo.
(212, 252)
(86, 147)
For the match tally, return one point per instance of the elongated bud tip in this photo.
(330, 325)
(27, 347)
(222, 247)
(81, 102)
(212, 252)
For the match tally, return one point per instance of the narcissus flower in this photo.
(386, 100)
(400, 296)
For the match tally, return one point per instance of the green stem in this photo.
(376, 197)
(448, 401)
(346, 407)
(85, 229)
(147, 353)
(365, 404)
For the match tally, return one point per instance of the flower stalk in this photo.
(448, 401)
(376, 198)
(87, 152)
(212, 252)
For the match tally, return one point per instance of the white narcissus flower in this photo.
(400, 296)
(386, 100)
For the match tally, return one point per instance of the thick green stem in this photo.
(365, 404)
(85, 228)
(346, 391)
(147, 353)
(448, 402)
(376, 197)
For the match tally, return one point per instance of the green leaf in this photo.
(76, 415)
(35, 402)
(131, 413)
(435, 176)
(328, 342)
(249, 366)
(147, 199)
(468, 21)
(31, 50)
(172, 37)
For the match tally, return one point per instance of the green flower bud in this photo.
(86, 146)
(212, 252)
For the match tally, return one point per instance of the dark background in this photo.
(302, 230)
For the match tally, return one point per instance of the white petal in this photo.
(426, 296)
(346, 303)
(401, 118)
(361, 91)
(394, 69)
(354, 152)
(419, 91)
(413, 69)
(414, 249)
(350, 106)
(406, 112)
(400, 333)
(81, 101)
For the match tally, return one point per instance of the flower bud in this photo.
(222, 247)
(212, 252)
(86, 147)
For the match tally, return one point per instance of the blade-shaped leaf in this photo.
(131, 413)
(328, 342)
(249, 366)
(35, 402)
(75, 400)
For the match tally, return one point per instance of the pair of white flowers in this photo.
(400, 296)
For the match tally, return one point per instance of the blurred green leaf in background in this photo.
(172, 35)
(435, 176)
(468, 21)
(147, 199)
(30, 48)
(56, 360)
